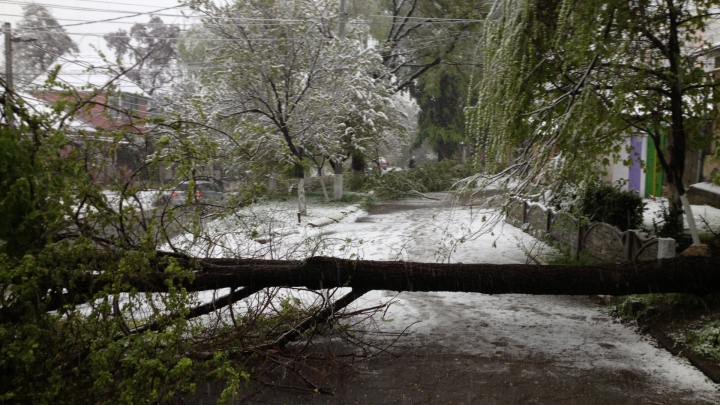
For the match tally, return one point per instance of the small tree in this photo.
(280, 77)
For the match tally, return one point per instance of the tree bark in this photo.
(300, 175)
(338, 180)
(679, 275)
(694, 275)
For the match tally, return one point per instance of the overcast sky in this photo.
(86, 20)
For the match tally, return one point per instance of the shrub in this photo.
(430, 177)
(603, 202)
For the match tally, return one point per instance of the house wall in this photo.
(98, 116)
(619, 172)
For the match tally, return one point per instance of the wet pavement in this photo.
(462, 348)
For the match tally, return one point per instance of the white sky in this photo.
(83, 18)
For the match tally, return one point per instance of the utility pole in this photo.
(343, 20)
(338, 166)
(8, 74)
(7, 30)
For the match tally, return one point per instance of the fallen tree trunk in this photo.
(679, 275)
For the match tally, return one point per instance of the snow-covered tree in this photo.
(278, 76)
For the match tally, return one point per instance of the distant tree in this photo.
(424, 34)
(442, 97)
(151, 49)
(31, 59)
(423, 42)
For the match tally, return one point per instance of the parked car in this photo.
(206, 192)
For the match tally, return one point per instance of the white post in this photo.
(302, 206)
(690, 219)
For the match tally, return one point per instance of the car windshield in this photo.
(207, 187)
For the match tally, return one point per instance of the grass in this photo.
(702, 338)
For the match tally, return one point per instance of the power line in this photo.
(105, 20)
(92, 21)
(118, 3)
(100, 10)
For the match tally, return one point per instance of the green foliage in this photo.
(669, 224)
(430, 177)
(33, 190)
(441, 121)
(602, 202)
(68, 260)
(638, 306)
(358, 181)
(703, 338)
(571, 79)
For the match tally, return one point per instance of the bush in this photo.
(602, 202)
(430, 177)
(669, 224)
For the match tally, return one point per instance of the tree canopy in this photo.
(281, 78)
(566, 81)
(151, 51)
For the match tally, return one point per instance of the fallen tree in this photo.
(696, 275)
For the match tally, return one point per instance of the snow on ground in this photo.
(569, 331)
(422, 233)
(701, 213)
(713, 188)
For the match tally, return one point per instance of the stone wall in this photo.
(605, 242)
(602, 241)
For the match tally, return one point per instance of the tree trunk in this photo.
(694, 275)
(338, 180)
(358, 164)
(678, 143)
(300, 175)
(324, 189)
(679, 275)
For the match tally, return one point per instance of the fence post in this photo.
(575, 246)
(666, 248)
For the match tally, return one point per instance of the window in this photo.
(125, 103)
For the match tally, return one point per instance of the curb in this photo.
(334, 218)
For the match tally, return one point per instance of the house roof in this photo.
(41, 108)
(81, 74)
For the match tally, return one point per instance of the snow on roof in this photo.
(41, 108)
(78, 73)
